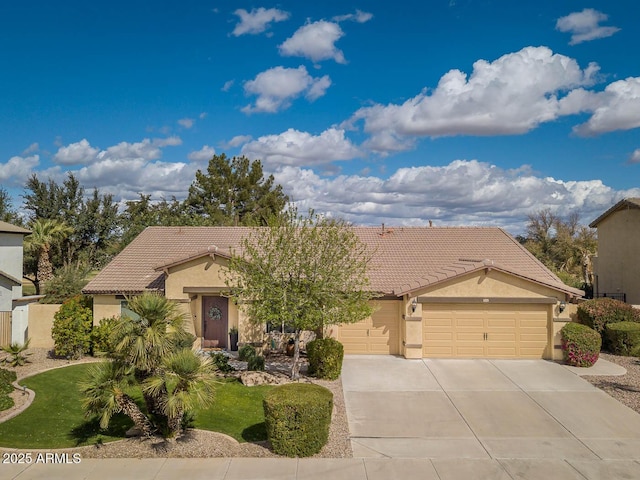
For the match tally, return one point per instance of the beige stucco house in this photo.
(617, 266)
(445, 292)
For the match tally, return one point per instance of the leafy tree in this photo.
(67, 283)
(143, 212)
(147, 351)
(71, 329)
(235, 192)
(92, 218)
(305, 272)
(45, 234)
(7, 212)
(563, 245)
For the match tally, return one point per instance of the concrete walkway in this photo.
(323, 469)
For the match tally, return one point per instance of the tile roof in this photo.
(10, 228)
(625, 203)
(405, 258)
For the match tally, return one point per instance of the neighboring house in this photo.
(11, 255)
(617, 266)
(446, 292)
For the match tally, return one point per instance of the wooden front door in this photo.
(215, 315)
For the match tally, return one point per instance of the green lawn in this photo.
(55, 418)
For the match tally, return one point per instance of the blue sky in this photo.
(463, 112)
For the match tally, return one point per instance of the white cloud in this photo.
(315, 41)
(635, 156)
(34, 147)
(202, 115)
(204, 154)
(277, 86)
(76, 153)
(511, 95)
(585, 26)
(238, 140)
(616, 108)
(294, 147)
(461, 193)
(257, 20)
(186, 122)
(359, 16)
(227, 85)
(17, 169)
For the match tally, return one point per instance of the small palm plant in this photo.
(185, 382)
(16, 354)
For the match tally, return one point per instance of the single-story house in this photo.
(445, 291)
(617, 266)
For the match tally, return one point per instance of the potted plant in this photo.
(233, 339)
(289, 347)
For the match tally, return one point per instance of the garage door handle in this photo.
(367, 332)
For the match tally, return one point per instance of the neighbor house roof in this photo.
(624, 204)
(10, 228)
(405, 259)
(11, 278)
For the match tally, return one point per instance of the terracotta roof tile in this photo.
(405, 259)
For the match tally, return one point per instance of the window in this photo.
(280, 327)
(125, 312)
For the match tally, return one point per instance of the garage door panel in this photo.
(485, 330)
(378, 334)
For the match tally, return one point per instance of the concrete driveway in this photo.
(482, 409)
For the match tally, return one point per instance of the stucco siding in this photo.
(618, 263)
(105, 306)
(40, 323)
(490, 284)
(201, 272)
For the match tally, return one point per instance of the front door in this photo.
(215, 316)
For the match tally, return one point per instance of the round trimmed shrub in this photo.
(255, 363)
(6, 402)
(599, 312)
(298, 416)
(623, 338)
(325, 358)
(580, 345)
(246, 352)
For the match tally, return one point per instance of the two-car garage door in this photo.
(484, 330)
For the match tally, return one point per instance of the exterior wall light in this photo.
(562, 306)
(414, 304)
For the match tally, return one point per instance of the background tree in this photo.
(45, 235)
(563, 245)
(306, 272)
(235, 192)
(7, 212)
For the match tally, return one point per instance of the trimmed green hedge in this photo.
(6, 377)
(599, 312)
(246, 352)
(298, 416)
(325, 358)
(580, 345)
(255, 363)
(623, 338)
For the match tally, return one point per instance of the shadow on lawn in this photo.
(255, 433)
(90, 429)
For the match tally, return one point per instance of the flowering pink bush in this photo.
(599, 312)
(580, 345)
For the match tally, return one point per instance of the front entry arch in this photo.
(215, 319)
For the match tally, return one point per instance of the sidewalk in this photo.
(323, 469)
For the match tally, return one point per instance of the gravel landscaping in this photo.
(196, 443)
(624, 388)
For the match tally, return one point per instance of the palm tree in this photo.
(185, 382)
(105, 395)
(45, 233)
